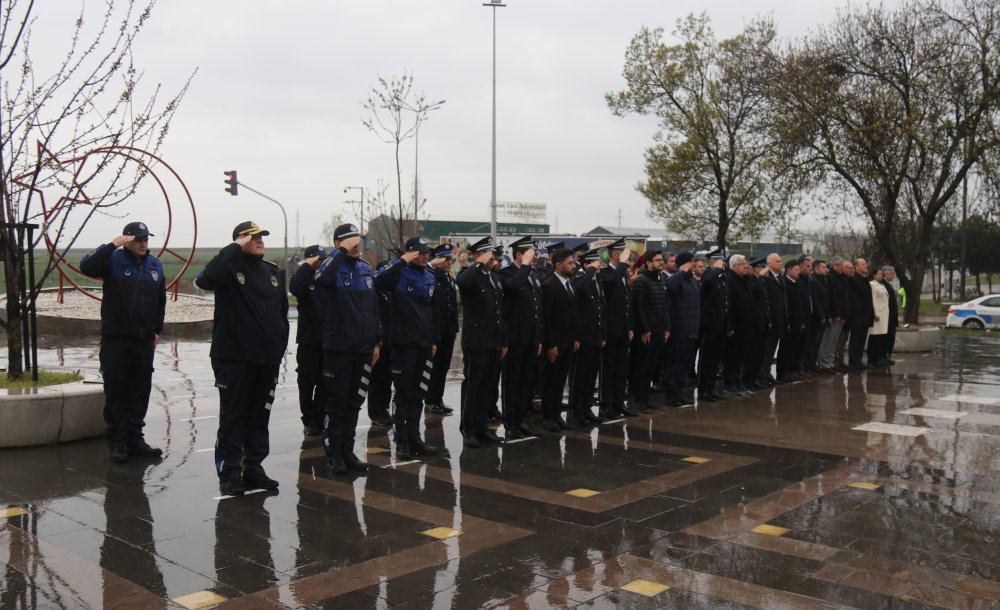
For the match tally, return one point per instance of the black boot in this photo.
(352, 462)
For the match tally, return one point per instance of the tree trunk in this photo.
(15, 340)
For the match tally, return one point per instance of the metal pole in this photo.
(284, 264)
(493, 191)
(32, 309)
(416, 176)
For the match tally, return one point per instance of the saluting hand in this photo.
(576, 346)
(313, 261)
(625, 256)
(375, 354)
(409, 257)
(645, 337)
(485, 258)
(503, 353)
(242, 240)
(529, 257)
(121, 240)
(553, 354)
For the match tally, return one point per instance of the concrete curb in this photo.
(52, 414)
(912, 340)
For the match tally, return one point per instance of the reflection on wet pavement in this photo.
(771, 501)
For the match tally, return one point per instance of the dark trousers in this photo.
(789, 353)
(581, 392)
(771, 341)
(554, 380)
(380, 391)
(842, 343)
(127, 366)
(411, 372)
(614, 373)
(246, 393)
(811, 338)
(481, 367)
(755, 358)
(713, 343)
(890, 340)
(310, 380)
(347, 378)
(439, 376)
(878, 348)
(856, 347)
(736, 357)
(518, 373)
(650, 357)
(678, 363)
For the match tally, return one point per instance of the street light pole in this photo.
(493, 193)
(361, 204)
(284, 264)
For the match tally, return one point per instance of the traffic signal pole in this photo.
(232, 183)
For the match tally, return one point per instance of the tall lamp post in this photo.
(361, 205)
(421, 112)
(494, 4)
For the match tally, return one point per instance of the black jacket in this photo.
(840, 298)
(714, 300)
(796, 313)
(446, 295)
(893, 305)
(251, 307)
(684, 305)
(862, 308)
(522, 301)
(559, 315)
(820, 286)
(591, 330)
(482, 309)
(777, 303)
(134, 298)
(303, 286)
(618, 299)
(761, 304)
(741, 307)
(649, 298)
(414, 312)
(350, 306)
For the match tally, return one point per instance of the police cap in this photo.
(249, 227)
(482, 245)
(136, 229)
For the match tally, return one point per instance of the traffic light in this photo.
(230, 182)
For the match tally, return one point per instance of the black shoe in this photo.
(566, 424)
(436, 410)
(447, 410)
(551, 425)
(527, 430)
(533, 408)
(488, 436)
(673, 401)
(352, 462)
(652, 407)
(685, 401)
(513, 434)
(496, 416)
(403, 450)
(706, 397)
(594, 419)
(716, 395)
(606, 414)
(119, 455)
(258, 480)
(312, 430)
(731, 392)
(573, 422)
(231, 488)
(470, 441)
(381, 420)
(641, 407)
(419, 447)
(627, 412)
(143, 450)
(337, 465)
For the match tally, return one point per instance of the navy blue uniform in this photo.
(714, 326)
(614, 363)
(132, 311)
(351, 330)
(592, 334)
(249, 339)
(309, 354)
(683, 322)
(523, 317)
(446, 295)
(483, 337)
(415, 329)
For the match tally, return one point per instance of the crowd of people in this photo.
(574, 328)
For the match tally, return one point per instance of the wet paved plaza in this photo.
(768, 501)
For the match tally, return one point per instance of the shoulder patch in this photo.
(273, 264)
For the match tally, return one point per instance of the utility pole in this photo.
(232, 182)
(619, 218)
(494, 4)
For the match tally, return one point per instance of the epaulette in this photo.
(273, 264)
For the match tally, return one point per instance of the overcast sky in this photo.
(279, 87)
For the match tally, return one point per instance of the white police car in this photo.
(983, 312)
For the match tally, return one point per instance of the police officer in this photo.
(756, 283)
(249, 339)
(309, 337)
(683, 312)
(380, 381)
(483, 342)
(741, 324)
(446, 292)
(414, 333)
(559, 340)
(523, 319)
(591, 333)
(352, 336)
(614, 362)
(132, 313)
(714, 327)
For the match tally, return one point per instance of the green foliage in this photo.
(44, 378)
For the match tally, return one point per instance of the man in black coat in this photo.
(835, 339)
(484, 343)
(559, 340)
(714, 325)
(777, 312)
(757, 286)
(649, 298)
(683, 297)
(249, 339)
(309, 337)
(819, 285)
(861, 302)
(790, 350)
(614, 363)
(813, 332)
(522, 294)
(592, 337)
(447, 301)
(888, 275)
(740, 322)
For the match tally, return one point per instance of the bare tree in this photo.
(330, 227)
(61, 133)
(389, 105)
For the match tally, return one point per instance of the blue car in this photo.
(983, 312)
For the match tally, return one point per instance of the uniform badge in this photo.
(274, 281)
(128, 272)
(430, 291)
(409, 287)
(242, 279)
(368, 280)
(156, 276)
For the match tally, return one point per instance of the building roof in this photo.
(654, 233)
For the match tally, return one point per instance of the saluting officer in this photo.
(352, 338)
(309, 337)
(614, 363)
(756, 283)
(559, 340)
(714, 327)
(483, 342)
(523, 319)
(132, 313)
(683, 310)
(249, 339)
(591, 333)
(447, 302)
(414, 333)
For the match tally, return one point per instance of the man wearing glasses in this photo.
(132, 310)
